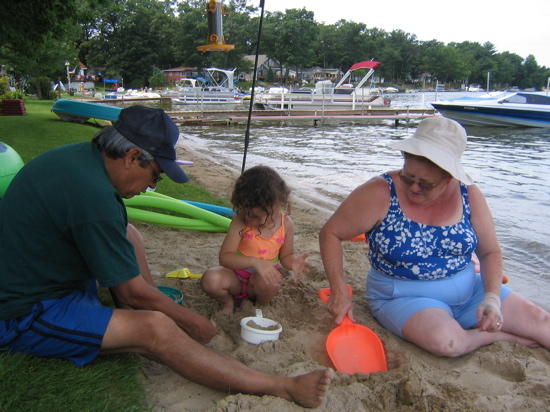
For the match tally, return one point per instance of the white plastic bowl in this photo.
(257, 336)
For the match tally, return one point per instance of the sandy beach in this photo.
(502, 376)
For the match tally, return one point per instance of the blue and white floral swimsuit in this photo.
(416, 266)
(402, 248)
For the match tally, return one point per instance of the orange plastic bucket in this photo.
(354, 348)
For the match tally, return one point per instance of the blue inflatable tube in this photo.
(220, 210)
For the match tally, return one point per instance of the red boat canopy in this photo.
(365, 65)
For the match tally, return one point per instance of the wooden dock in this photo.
(235, 117)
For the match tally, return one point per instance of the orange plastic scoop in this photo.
(354, 348)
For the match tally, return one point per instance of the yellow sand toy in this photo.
(182, 274)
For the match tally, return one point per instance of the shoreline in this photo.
(502, 376)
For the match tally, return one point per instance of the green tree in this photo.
(479, 59)
(299, 27)
(325, 46)
(531, 74)
(26, 24)
(157, 80)
(443, 62)
(38, 37)
(508, 70)
(128, 38)
(351, 41)
(398, 52)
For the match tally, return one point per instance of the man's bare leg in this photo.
(168, 344)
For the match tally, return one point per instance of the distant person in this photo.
(423, 224)
(260, 240)
(64, 227)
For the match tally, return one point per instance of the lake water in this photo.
(323, 163)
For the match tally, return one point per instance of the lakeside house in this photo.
(177, 73)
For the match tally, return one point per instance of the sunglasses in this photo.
(425, 187)
(156, 175)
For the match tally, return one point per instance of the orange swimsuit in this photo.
(254, 245)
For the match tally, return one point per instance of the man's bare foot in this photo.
(310, 389)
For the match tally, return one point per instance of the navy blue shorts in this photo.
(70, 328)
(393, 301)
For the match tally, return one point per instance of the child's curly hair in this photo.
(262, 187)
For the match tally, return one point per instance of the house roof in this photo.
(262, 58)
(179, 69)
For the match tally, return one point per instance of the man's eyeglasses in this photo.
(425, 187)
(156, 175)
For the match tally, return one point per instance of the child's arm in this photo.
(298, 265)
(230, 259)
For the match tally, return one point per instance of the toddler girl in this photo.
(260, 239)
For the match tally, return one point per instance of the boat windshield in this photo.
(525, 98)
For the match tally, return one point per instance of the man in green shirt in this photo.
(64, 227)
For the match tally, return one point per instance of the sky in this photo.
(521, 27)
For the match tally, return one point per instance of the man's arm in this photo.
(137, 294)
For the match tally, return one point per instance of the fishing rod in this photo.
(247, 132)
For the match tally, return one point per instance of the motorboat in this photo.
(70, 110)
(325, 95)
(498, 109)
(217, 87)
(475, 87)
(129, 94)
(391, 89)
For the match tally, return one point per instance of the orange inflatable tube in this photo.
(478, 269)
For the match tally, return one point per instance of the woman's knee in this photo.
(447, 346)
(438, 341)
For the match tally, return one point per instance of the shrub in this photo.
(16, 94)
(4, 90)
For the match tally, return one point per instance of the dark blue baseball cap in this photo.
(153, 131)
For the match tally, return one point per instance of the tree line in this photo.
(134, 38)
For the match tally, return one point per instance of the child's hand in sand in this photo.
(300, 266)
(268, 272)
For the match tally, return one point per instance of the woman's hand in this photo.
(340, 305)
(300, 266)
(489, 315)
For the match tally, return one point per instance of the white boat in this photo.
(475, 87)
(217, 87)
(130, 94)
(498, 109)
(325, 96)
(391, 89)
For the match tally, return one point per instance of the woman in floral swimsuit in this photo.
(423, 224)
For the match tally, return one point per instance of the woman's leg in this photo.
(436, 331)
(525, 319)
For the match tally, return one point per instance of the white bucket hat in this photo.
(440, 140)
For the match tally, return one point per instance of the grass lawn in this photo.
(110, 383)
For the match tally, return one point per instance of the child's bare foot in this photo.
(310, 389)
(227, 308)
